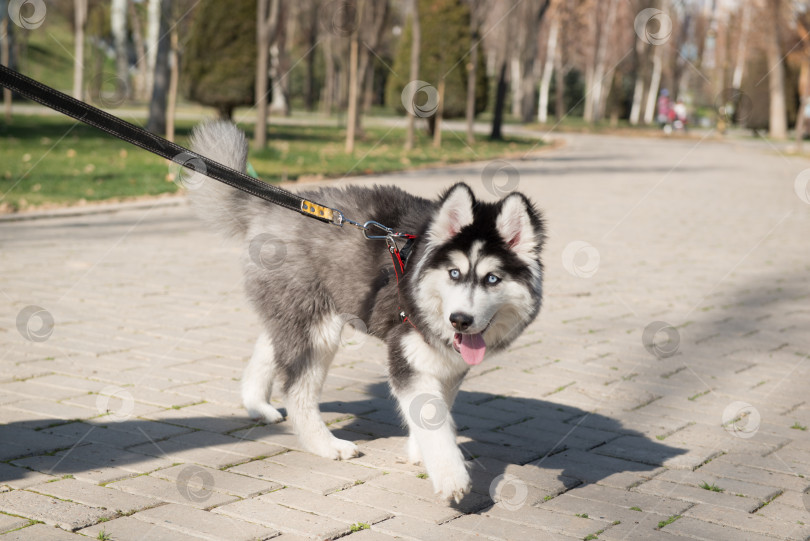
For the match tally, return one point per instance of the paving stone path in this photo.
(662, 393)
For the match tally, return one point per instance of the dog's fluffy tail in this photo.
(216, 203)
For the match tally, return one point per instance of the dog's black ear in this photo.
(520, 227)
(455, 212)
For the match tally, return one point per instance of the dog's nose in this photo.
(461, 321)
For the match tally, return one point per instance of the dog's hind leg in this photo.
(257, 381)
(303, 392)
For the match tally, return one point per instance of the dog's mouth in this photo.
(471, 346)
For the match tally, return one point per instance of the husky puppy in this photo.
(473, 282)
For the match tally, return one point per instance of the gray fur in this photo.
(323, 273)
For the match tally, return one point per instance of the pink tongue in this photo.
(471, 346)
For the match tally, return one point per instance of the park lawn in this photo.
(50, 161)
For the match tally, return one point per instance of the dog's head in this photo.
(479, 280)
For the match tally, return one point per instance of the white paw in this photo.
(451, 483)
(264, 411)
(334, 449)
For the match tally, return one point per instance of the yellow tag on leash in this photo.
(319, 211)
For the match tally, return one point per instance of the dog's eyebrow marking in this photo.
(486, 264)
(459, 261)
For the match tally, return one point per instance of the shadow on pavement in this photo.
(519, 449)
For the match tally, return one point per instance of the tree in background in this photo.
(220, 59)
(268, 17)
(161, 71)
(445, 32)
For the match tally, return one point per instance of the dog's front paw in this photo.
(452, 483)
(333, 448)
(264, 412)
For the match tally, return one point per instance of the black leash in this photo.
(93, 116)
(83, 112)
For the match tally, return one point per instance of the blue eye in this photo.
(455, 274)
(491, 279)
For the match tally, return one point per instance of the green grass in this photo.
(714, 488)
(582, 515)
(103, 535)
(360, 526)
(636, 508)
(797, 426)
(668, 521)
(53, 160)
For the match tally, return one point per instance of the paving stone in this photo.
(423, 489)
(8, 522)
(55, 466)
(132, 529)
(328, 506)
(207, 448)
(399, 504)
(697, 495)
(728, 485)
(296, 477)
(41, 532)
(494, 528)
(95, 496)
(184, 494)
(590, 467)
(66, 515)
(749, 522)
(210, 417)
(260, 510)
(190, 521)
(626, 499)
(658, 454)
(198, 477)
(413, 529)
(721, 468)
(345, 469)
(698, 529)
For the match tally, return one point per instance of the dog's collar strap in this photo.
(399, 260)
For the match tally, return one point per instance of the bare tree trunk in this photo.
(373, 25)
(328, 92)
(80, 19)
(152, 35)
(118, 24)
(174, 78)
(515, 78)
(351, 118)
(5, 58)
(559, 90)
(472, 76)
(776, 78)
(638, 89)
(548, 71)
(655, 82)
(500, 96)
(266, 22)
(368, 92)
(157, 102)
(416, 38)
(141, 89)
(598, 88)
(804, 93)
(437, 126)
(736, 80)
(312, 40)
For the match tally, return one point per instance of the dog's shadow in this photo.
(517, 448)
(523, 450)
